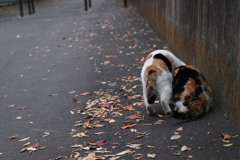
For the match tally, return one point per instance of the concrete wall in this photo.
(205, 33)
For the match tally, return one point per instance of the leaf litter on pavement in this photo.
(119, 102)
(117, 105)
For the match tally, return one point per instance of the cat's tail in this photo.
(151, 86)
(195, 110)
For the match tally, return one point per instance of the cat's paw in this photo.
(150, 111)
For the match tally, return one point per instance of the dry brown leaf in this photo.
(79, 135)
(112, 121)
(184, 148)
(12, 137)
(42, 148)
(92, 156)
(26, 144)
(228, 145)
(45, 134)
(151, 155)
(179, 129)
(24, 139)
(127, 125)
(175, 137)
(227, 136)
(11, 106)
(134, 146)
(158, 122)
(114, 158)
(129, 107)
(124, 152)
(76, 101)
(177, 153)
(31, 149)
(225, 141)
(101, 133)
(71, 92)
(85, 93)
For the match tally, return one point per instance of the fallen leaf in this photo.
(81, 146)
(228, 145)
(177, 153)
(114, 158)
(26, 144)
(123, 152)
(71, 92)
(158, 122)
(134, 116)
(151, 155)
(24, 139)
(88, 124)
(101, 143)
(31, 149)
(129, 107)
(22, 108)
(111, 56)
(112, 121)
(101, 133)
(149, 146)
(142, 59)
(79, 135)
(161, 116)
(76, 101)
(92, 156)
(106, 105)
(11, 106)
(184, 148)
(85, 93)
(12, 137)
(225, 136)
(128, 125)
(42, 148)
(133, 130)
(179, 129)
(225, 141)
(45, 134)
(133, 41)
(175, 137)
(35, 145)
(134, 146)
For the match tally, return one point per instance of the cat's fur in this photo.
(157, 78)
(191, 93)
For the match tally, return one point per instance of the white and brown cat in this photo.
(191, 93)
(157, 78)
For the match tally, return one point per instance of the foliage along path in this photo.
(101, 53)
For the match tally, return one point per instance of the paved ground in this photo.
(69, 81)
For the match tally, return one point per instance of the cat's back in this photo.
(158, 62)
(188, 80)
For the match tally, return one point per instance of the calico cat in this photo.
(157, 78)
(191, 93)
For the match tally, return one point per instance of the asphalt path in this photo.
(70, 88)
